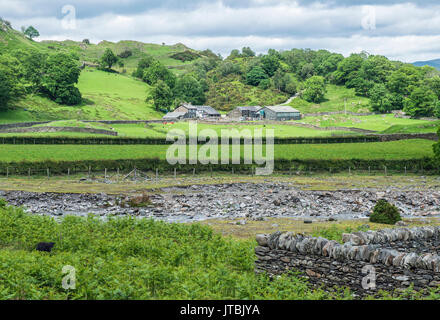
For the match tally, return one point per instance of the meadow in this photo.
(336, 99)
(396, 150)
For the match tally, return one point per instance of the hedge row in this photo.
(162, 141)
(425, 165)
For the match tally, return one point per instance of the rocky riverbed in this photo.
(231, 201)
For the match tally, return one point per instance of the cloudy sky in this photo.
(403, 30)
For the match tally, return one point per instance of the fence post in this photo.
(68, 172)
(117, 171)
(48, 173)
(90, 169)
(29, 172)
(7, 172)
(349, 170)
(194, 172)
(369, 170)
(405, 171)
(175, 173)
(232, 170)
(211, 172)
(105, 173)
(157, 174)
(386, 171)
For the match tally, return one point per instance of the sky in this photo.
(401, 30)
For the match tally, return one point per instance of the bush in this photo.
(386, 213)
(3, 203)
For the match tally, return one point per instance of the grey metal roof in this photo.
(282, 109)
(173, 115)
(207, 109)
(250, 108)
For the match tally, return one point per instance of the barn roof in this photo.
(282, 109)
(173, 115)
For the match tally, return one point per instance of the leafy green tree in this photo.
(314, 89)
(162, 95)
(33, 63)
(255, 76)
(188, 89)
(31, 32)
(11, 85)
(307, 71)
(348, 69)
(157, 71)
(376, 69)
(143, 64)
(59, 79)
(108, 59)
(401, 80)
(247, 52)
(421, 103)
(227, 67)
(381, 99)
(265, 84)
(234, 54)
(270, 64)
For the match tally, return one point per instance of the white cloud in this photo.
(404, 31)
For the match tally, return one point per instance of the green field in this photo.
(396, 150)
(334, 101)
(374, 122)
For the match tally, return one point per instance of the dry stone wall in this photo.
(399, 258)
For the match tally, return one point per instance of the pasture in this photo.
(396, 150)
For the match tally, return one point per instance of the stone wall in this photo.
(400, 257)
(59, 129)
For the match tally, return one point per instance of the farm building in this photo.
(174, 116)
(192, 112)
(249, 113)
(281, 113)
(207, 112)
(188, 109)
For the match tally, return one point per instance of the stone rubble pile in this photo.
(230, 201)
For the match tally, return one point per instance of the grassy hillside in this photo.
(106, 96)
(334, 100)
(93, 52)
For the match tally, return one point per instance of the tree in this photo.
(381, 99)
(11, 74)
(402, 79)
(162, 95)
(33, 63)
(108, 59)
(188, 89)
(307, 71)
(247, 52)
(421, 103)
(143, 64)
(157, 71)
(31, 32)
(270, 64)
(314, 89)
(348, 68)
(255, 76)
(59, 79)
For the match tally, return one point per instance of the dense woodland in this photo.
(221, 82)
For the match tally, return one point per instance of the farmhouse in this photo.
(281, 113)
(192, 112)
(248, 113)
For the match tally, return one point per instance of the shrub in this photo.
(386, 213)
(3, 203)
(125, 54)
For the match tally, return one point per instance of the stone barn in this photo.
(247, 113)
